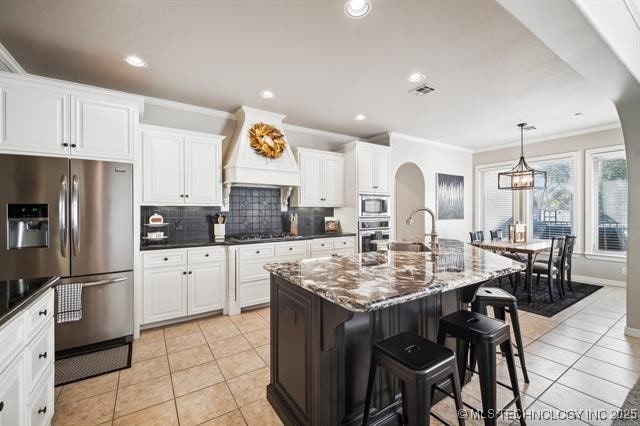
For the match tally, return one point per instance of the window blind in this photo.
(552, 212)
(610, 201)
(497, 205)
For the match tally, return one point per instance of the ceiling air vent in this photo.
(421, 90)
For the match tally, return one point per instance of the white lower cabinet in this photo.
(26, 378)
(12, 394)
(252, 281)
(165, 293)
(194, 283)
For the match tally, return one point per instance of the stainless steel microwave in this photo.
(374, 205)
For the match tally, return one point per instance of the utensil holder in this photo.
(219, 231)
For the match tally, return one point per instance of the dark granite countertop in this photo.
(371, 281)
(15, 295)
(229, 242)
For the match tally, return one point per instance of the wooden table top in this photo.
(532, 246)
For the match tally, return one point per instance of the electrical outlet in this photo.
(623, 270)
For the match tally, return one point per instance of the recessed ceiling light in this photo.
(416, 77)
(135, 61)
(267, 94)
(578, 115)
(360, 117)
(357, 8)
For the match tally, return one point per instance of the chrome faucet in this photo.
(434, 246)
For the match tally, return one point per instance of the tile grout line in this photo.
(572, 365)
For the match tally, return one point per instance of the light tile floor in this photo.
(214, 371)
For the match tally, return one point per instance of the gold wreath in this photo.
(267, 140)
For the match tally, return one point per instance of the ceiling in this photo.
(488, 70)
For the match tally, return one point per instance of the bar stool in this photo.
(421, 365)
(501, 301)
(483, 335)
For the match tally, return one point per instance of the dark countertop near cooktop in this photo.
(229, 242)
(15, 295)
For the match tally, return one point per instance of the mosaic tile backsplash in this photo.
(251, 210)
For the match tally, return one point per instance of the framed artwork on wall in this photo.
(449, 196)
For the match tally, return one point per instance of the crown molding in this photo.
(11, 63)
(341, 137)
(552, 137)
(189, 108)
(426, 142)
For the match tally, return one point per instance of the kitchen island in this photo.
(327, 313)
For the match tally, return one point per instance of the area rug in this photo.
(541, 304)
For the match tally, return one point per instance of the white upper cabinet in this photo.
(162, 167)
(181, 167)
(203, 177)
(322, 179)
(373, 169)
(48, 117)
(34, 119)
(102, 128)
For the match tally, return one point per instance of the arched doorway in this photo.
(409, 195)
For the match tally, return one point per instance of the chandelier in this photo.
(522, 176)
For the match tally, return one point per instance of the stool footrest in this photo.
(500, 411)
(504, 385)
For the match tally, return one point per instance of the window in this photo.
(552, 207)
(496, 205)
(607, 185)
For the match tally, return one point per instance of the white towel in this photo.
(69, 302)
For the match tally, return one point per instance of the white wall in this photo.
(598, 270)
(432, 158)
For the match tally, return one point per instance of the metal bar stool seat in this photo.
(501, 301)
(420, 365)
(482, 335)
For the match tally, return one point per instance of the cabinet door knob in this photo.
(73, 145)
(43, 313)
(322, 245)
(184, 273)
(42, 355)
(257, 251)
(290, 248)
(190, 272)
(186, 195)
(42, 410)
(181, 195)
(65, 144)
(1, 405)
(166, 258)
(206, 255)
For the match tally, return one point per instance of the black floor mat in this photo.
(80, 367)
(541, 304)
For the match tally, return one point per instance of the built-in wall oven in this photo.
(374, 206)
(370, 230)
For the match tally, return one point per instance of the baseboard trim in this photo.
(598, 281)
(633, 332)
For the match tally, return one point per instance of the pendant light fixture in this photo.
(522, 176)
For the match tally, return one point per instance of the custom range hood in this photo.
(246, 165)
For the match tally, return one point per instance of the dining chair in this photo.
(476, 236)
(551, 267)
(566, 261)
(496, 235)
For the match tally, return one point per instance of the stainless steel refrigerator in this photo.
(72, 218)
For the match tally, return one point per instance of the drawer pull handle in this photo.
(42, 355)
(166, 258)
(42, 410)
(206, 255)
(43, 313)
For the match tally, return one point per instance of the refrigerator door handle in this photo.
(62, 211)
(75, 215)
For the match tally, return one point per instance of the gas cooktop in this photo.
(273, 236)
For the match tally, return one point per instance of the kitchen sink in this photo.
(407, 246)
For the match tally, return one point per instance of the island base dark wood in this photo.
(320, 353)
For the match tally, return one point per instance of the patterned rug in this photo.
(541, 304)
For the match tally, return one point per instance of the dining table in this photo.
(530, 249)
